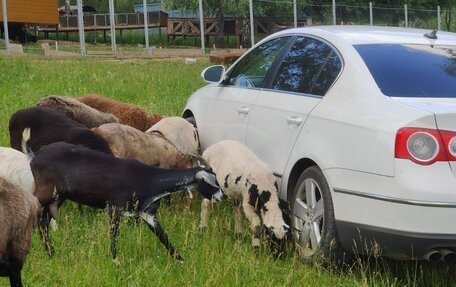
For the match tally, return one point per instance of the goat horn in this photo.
(200, 159)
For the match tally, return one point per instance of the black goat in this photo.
(44, 126)
(65, 171)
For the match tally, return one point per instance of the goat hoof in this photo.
(116, 261)
(50, 252)
(179, 259)
(202, 228)
(53, 224)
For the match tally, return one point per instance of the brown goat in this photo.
(19, 211)
(127, 114)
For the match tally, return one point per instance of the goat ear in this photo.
(207, 177)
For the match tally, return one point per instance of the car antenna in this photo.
(431, 35)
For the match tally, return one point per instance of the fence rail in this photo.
(69, 23)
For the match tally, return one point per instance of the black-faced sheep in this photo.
(66, 171)
(180, 132)
(127, 114)
(42, 126)
(19, 211)
(151, 149)
(77, 111)
(250, 182)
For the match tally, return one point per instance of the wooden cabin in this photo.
(32, 12)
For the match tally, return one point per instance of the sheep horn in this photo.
(200, 160)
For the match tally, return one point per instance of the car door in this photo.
(229, 105)
(279, 112)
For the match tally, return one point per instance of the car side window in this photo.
(310, 67)
(252, 69)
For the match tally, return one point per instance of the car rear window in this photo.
(402, 70)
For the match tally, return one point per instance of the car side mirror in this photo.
(213, 74)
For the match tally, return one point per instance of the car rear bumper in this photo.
(365, 239)
(407, 215)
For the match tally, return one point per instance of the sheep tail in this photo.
(25, 138)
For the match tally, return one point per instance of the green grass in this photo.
(213, 257)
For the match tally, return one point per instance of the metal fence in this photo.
(142, 27)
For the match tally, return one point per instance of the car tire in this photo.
(191, 120)
(312, 219)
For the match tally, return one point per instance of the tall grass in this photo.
(213, 257)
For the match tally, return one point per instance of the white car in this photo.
(358, 124)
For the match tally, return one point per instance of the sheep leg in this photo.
(156, 228)
(15, 276)
(205, 206)
(114, 215)
(44, 231)
(4, 268)
(255, 222)
(237, 211)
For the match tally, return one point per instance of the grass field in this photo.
(213, 257)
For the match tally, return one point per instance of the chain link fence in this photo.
(148, 27)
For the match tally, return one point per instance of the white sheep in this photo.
(250, 183)
(180, 132)
(19, 211)
(15, 167)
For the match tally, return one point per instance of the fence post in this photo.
(113, 28)
(81, 28)
(406, 15)
(252, 28)
(371, 14)
(146, 27)
(439, 20)
(334, 12)
(295, 14)
(5, 27)
(203, 46)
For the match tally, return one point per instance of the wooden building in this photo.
(32, 12)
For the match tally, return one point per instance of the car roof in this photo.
(354, 34)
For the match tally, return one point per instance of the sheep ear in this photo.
(207, 177)
(198, 161)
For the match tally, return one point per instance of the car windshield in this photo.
(403, 70)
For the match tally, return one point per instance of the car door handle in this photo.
(243, 110)
(295, 120)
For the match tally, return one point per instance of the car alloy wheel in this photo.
(313, 223)
(308, 217)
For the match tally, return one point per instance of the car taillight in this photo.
(449, 138)
(425, 146)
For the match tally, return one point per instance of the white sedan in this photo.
(358, 124)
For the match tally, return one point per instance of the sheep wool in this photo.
(77, 111)
(180, 132)
(246, 179)
(127, 114)
(151, 149)
(18, 214)
(15, 166)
